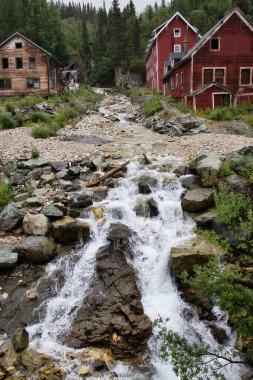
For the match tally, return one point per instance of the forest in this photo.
(99, 40)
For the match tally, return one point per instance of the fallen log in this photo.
(107, 175)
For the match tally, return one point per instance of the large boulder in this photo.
(79, 200)
(20, 339)
(10, 218)
(35, 224)
(196, 251)
(69, 230)
(197, 200)
(208, 169)
(35, 163)
(206, 219)
(52, 212)
(119, 232)
(8, 259)
(146, 183)
(36, 249)
(112, 314)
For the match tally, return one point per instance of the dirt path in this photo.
(97, 133)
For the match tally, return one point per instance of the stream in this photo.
(151, 243)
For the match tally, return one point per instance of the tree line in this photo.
(99, 40)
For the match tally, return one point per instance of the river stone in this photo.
(206, 219)
(10, 218)
(20, 339)
(64, 174)
(112, 315)
(58, 166)
(35, 163)
(4, 180)
(74, 171)
(35, 224)
(187, 122)
(33, 202)
(52, 212)
(141, 207)
(79, 200)
(100, 194)
(36, 249)
(146, 183)
(17, 179)
(119, 231)
(21, 197)
(35, 174)
(197, 251)
(47, 179)
(189, 180)
(197, 200)
(69, 230)
(208, 170)
(8, 259)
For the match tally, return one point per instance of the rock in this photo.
(112, 314)
(175, 131)
(35, 163)
(64, 175)
(197, 251)
(97, 161)
(97, 212)
(153, 207)
(20, 339)
(69, 230)
(99, 194)
(119, 232)
(52, 212)
(21, 197)
(68, 185)
(32, 295)
(187, 122)
(206, 219)
(36, 249)
(189, 180)
(203, 128)
(74, 171)
(8, 259)
(10, 218)
(198, 200)
(208, 170)
(181, 170)
(142, 208)
(33, 202)
(35, 224)
(58, 166)
(17, 179)
(146, 183)
(239, 184)
(218, 333)
(80, 200)
(35, 174)
(47, 179)
(4, 180)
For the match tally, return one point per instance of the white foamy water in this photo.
(151, 244)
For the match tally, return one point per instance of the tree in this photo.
(116, 34)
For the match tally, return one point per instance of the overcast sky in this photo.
(139, 4)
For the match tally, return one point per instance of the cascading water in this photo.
(151, 244)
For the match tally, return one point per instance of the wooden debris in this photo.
(107, 175)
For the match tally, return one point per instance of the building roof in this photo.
(163, 26)
(206, 87)
(209, 34)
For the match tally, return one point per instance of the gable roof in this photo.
(206, 87)
(210, 33)
(164, 26)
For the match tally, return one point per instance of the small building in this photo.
(170, 42)
(26, 68)
(218, 70)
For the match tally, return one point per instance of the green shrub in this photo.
(182, 107)
(5, 195)
(152, 106)
(225, 169)
(35, 153)
(19, 121)
(44, 131)
(9, 107)
(38, 116)
(7, 121)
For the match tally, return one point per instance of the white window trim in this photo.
(177, 51)
(179, 34)
(214, 38)
(221, 93)
(251, 76)
(214, 68)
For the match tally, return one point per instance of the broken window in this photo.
(19, 63)
(32, 63)
(5, 84)
(18, 45)
(246, 76)
(219, 76)
(214, 75)
(33, 83)
(208, 76)
(177, 32)
(5, 63)
(215, 44)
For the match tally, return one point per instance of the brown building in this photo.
(27, 68)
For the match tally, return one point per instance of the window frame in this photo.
(215, 38)
(18, 45)
(177, 51)
(7, 60)
(32, 59)
(33, 82)
(251, 75)
(179, 34)
(16, 63)
(4, 81)
(213, 75)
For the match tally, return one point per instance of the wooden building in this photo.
(170, 42)
(27, 68)
(218, 70)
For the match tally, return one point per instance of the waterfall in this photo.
(151, 243)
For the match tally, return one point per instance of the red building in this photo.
(218, 70)
(169, 44)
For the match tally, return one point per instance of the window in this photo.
(177, 48)
(32, 63)
(18, 45)
(211, 75)
(171, 83)
(246, 76)
(5, 84)
(176, 84)
(177, 32)
(182, 79)
(215, 44)
(33, 83)
(5, 63)
(19, 63)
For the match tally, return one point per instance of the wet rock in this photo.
(112, 315)
(80, 200)
(197, 251)
(36, 249)
(189, 180)
(32, 295)
(218, 333)
(35, 224)
(181, 170)
(69, 230)
(8, 259)
(206, 219)
(153, 207)
(99, 194)
(208, 169)
(119, 232)
(20, 339)
(197, 200)
(64, 175)
(10, 218)
(146, 183)
(97, 161)
(52, 212)
(142, 208)
(98, 212)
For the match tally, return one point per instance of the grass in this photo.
(5, 195)
(35, 153)
(44, 131)
(225, 169)
(152, 106)
(228, 113)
